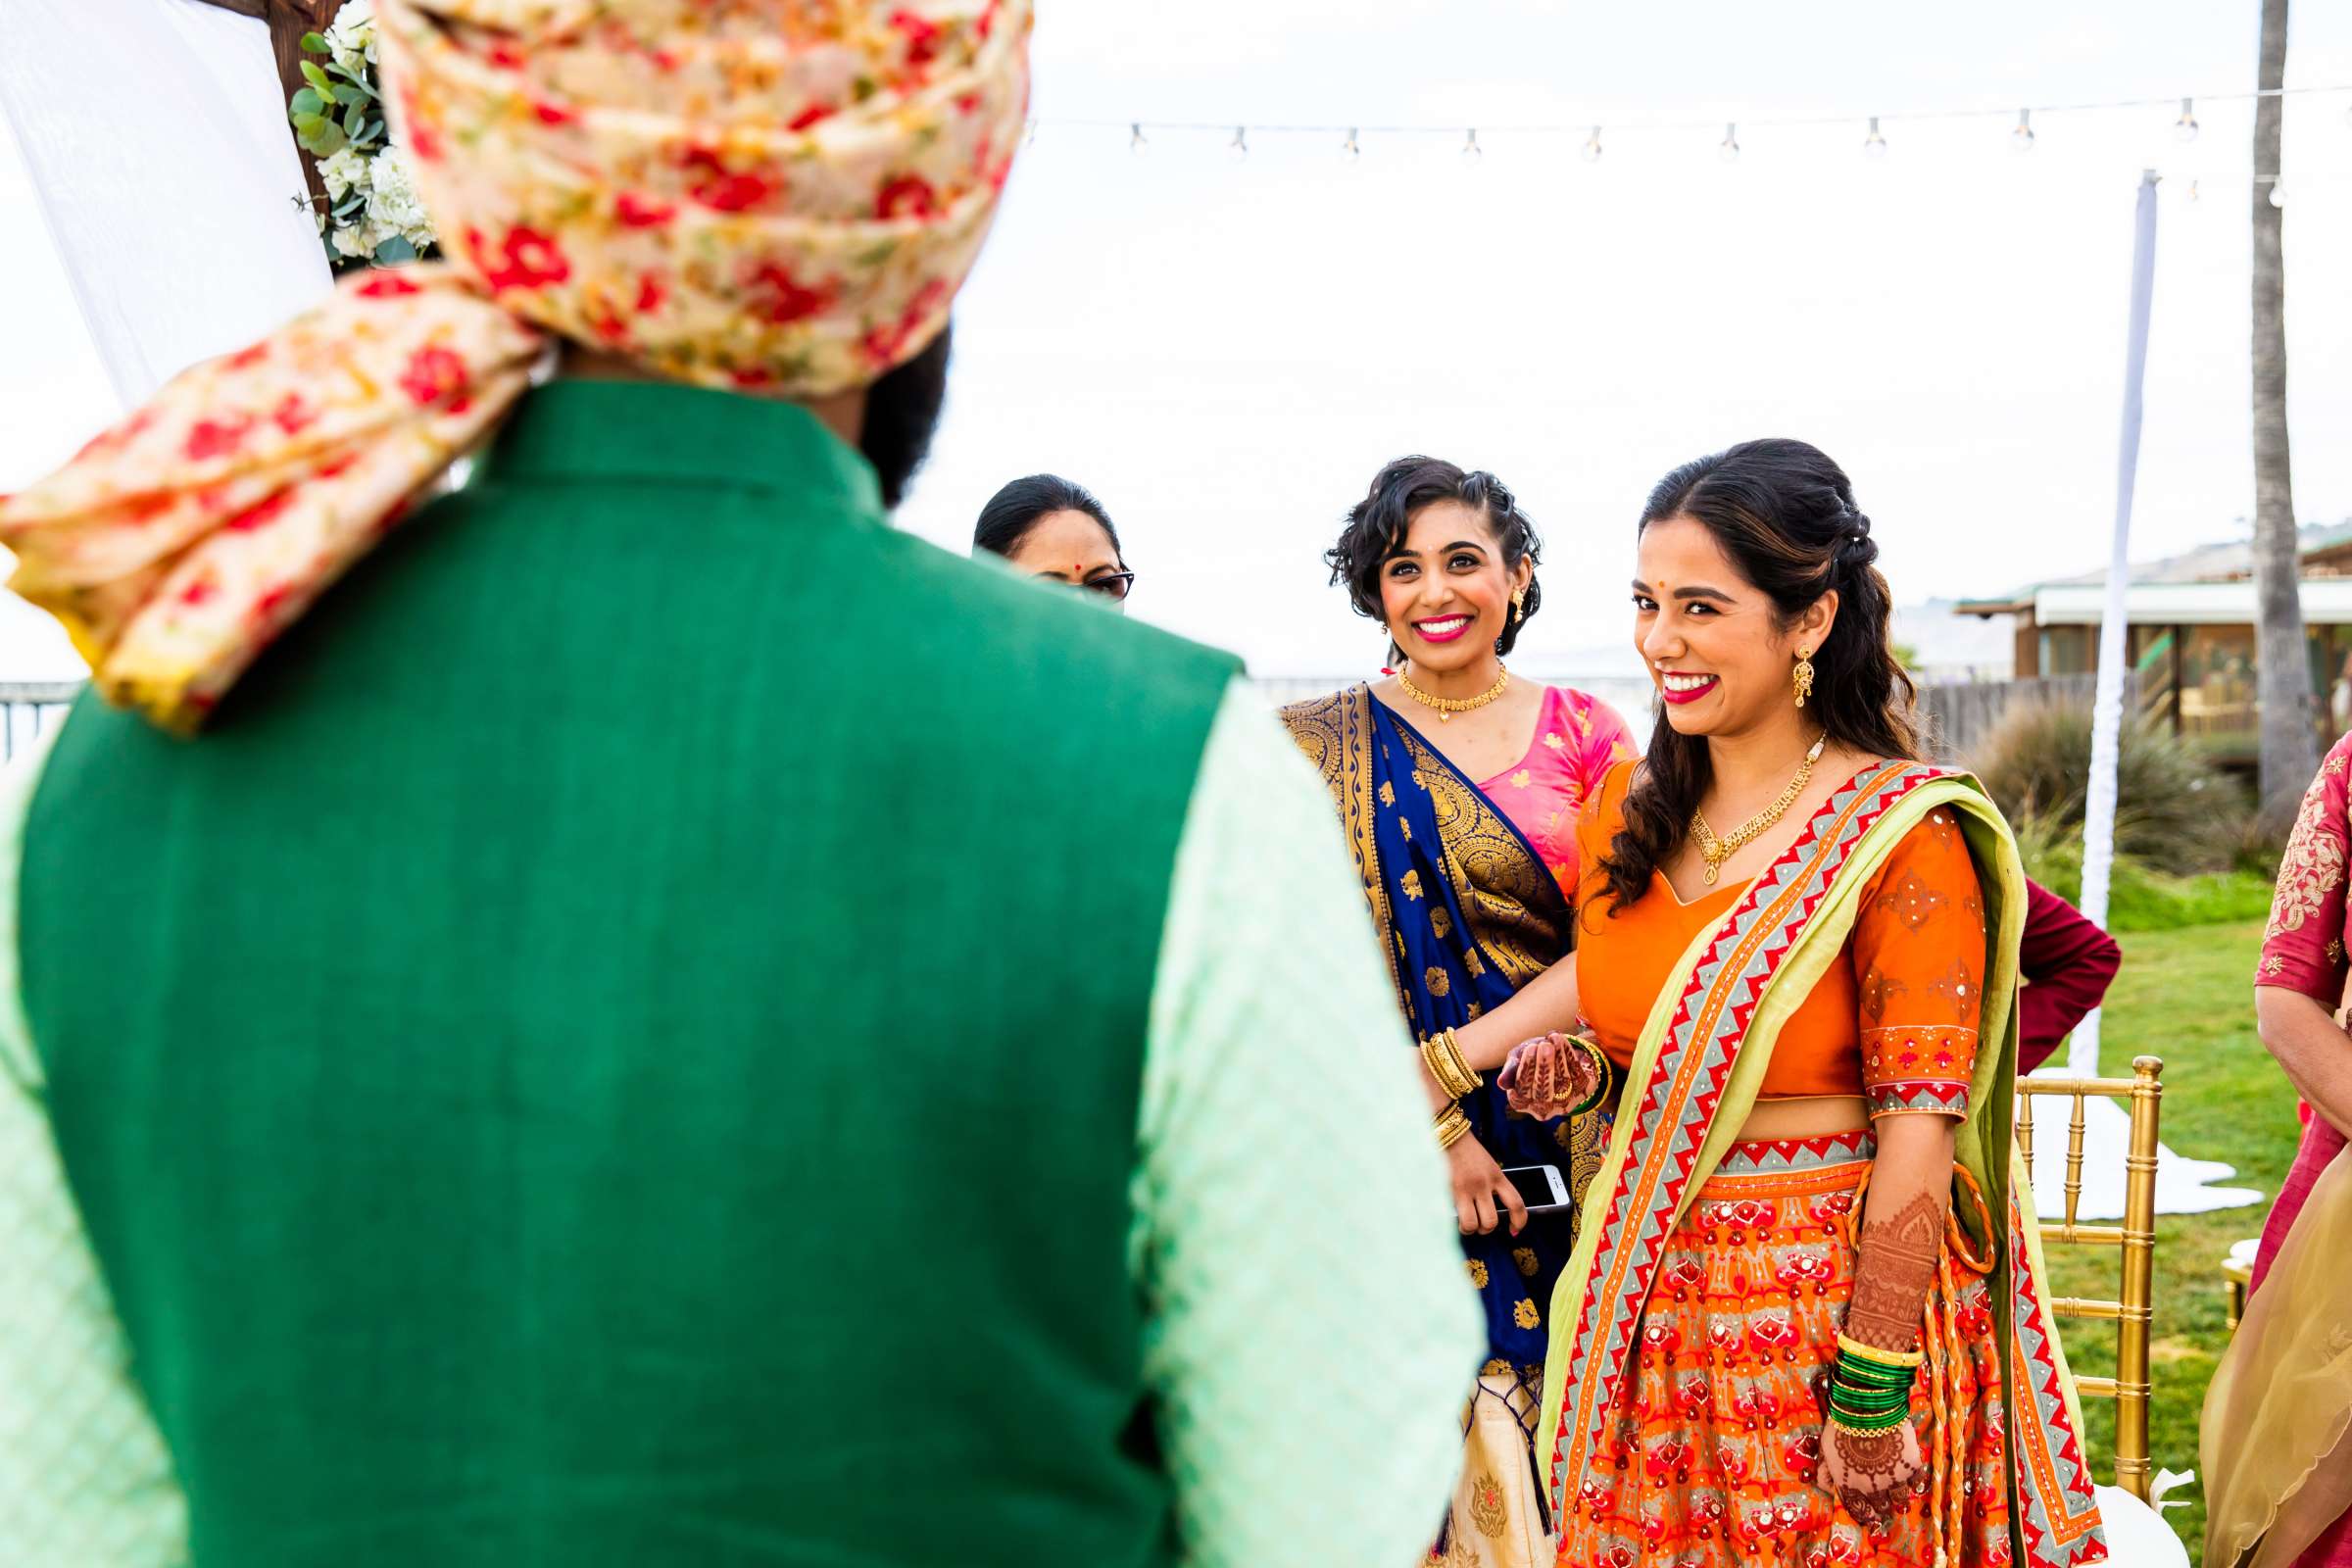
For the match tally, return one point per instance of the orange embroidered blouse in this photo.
(1893, 1019)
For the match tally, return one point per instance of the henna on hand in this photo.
(1875, 1475)
(1895, 1267)
(1548, 1077)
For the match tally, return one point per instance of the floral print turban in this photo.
(773, 196)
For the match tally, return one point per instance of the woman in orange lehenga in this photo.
(1802, 1324)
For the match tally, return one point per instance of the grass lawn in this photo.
(2187, 997)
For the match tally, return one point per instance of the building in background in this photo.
(2191, 636)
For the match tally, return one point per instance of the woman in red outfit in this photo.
(2067, 964)
(2277, 1449)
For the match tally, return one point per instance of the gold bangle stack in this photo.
(1441, 1052)
(1453, 1126)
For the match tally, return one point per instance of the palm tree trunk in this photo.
(2289, 725)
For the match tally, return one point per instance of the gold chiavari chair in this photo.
(2135, 1239)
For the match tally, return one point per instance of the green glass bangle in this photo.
(1860, 1380)
(1864, 1404)
(1868, 1412)
(1858, 1367)
(1867, 1395)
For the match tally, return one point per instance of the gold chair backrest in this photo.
(2131, 1312)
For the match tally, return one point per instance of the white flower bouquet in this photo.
(372, 214)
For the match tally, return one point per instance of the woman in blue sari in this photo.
(1458, 790)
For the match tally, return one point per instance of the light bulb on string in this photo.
(1728, 151)
(1592, 146)
(2279, 193)
(2021, 140)
(1874, 145)
(1240, 145)
(1351, 147)
(1135, 140)
(1470, 147)
(2186, 127)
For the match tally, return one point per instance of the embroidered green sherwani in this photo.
(668, 1023)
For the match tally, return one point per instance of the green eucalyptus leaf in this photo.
(326, 141)
(396, 249)
(351, 205)
(318, 80)
(351, 119)
(349, 95)
(313, 43)
(306, 102)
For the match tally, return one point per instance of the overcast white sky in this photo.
(1226, 351)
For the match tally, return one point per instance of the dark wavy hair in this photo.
(1786, 516)
(1377, 526)
(1014, 510)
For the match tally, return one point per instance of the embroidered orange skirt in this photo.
(1715, 1447)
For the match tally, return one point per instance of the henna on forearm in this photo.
(1894, 1268)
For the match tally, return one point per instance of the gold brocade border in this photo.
(1336, 734)
(1517, 914)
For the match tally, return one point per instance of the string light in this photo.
(1240, 145)
(1874, 145)
(1729, 152)
(2022, 131)
(2186, 127)
(2279, 193)
(1136, 141)
(1470, 147)
(1351, 147)
(2021, 140)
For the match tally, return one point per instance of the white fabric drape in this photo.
(165, 178)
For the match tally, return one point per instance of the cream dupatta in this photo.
(2276, 1441)
(1694, 1076)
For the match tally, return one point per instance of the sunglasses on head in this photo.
(1113, 585)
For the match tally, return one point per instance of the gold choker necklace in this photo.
(1447, 706)
(1719, 850)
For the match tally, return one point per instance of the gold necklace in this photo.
(1719, 850)
(1447, 706)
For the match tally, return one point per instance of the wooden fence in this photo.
(1958, 717)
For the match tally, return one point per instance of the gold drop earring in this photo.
(1802, 679)
(1518, 604)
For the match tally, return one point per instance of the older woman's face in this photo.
(1070, 547)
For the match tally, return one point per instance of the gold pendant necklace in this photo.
(1447, 706)
(1716, 850)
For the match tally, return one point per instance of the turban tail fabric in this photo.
(776, 197)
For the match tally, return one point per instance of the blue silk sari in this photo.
(1467, 913)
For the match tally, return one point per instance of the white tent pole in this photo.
(2107, 707)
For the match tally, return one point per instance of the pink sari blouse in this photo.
(1578, 739)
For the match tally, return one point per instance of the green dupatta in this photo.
(1694, 1076)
